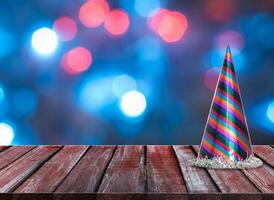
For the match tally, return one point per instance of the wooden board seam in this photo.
(180, 170)
(71, 169)
(4, 148)
(18, 157)
(103, 174)
(215, 184)
(34, 171)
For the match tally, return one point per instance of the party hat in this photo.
(226, 141)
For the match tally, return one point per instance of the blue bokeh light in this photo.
(95, 93)
(216, 58)
(127, 6)
(270, 111)
(4, 105)
(151, 55)
(2, 94)
(143, 8)
(258, 22)
(266, 36)
(265, 110)
(25, 102)
(122, 84)
(7, 43)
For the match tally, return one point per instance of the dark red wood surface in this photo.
(127, 172)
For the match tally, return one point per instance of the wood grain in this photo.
(262, 177)
(126, 171)
(231, 181)
(50, 175)
(266, 153)
(197, 179)
(11, 154)
(15, 173)
(87, 174)
(163, 173)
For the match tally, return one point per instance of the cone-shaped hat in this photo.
(226, 141)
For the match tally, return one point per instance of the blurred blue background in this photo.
(130, 72)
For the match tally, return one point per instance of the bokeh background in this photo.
(129, 72)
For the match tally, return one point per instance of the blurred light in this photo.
(2, 95)
(46, 83)
(25, 102)
(270, 111)
(257, 22)
(133, 103)
(44, 41)
(265, 110)
(127, 5)
(65, 28)
(93, 12)
(266, 36)
(170, 25)
(216, 58)
(6, 133)
(76, 60)
(4, 104)
(117, 22)
(144, 8)
(211, 77)
(144, 46)
(95, 93)
(122, 84)
(232, 38)
(220, 10)
(7, 43)
(151, 62)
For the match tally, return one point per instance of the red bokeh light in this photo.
(93, 12)
(210, 78)
(117, 22)
(156, 17)
(65, 28)
(220, 10)
(170, 25)
(76, 60)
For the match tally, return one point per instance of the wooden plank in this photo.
(126, 171)
(265, 152)
(262, 177)
(231, 180)
(50, 175)
(15, 173)
(163, 173)
(13, 153)
(2, 148)
(87, 174)
(196, 179)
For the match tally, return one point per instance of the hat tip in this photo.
(228, 49)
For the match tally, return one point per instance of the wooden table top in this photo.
(128, 172)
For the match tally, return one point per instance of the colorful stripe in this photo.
(226, 134)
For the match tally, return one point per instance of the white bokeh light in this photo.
(133, 103)
(44, 41)
(6, 134)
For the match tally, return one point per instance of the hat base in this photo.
(221, 163)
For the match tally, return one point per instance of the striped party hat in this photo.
(226, 141)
